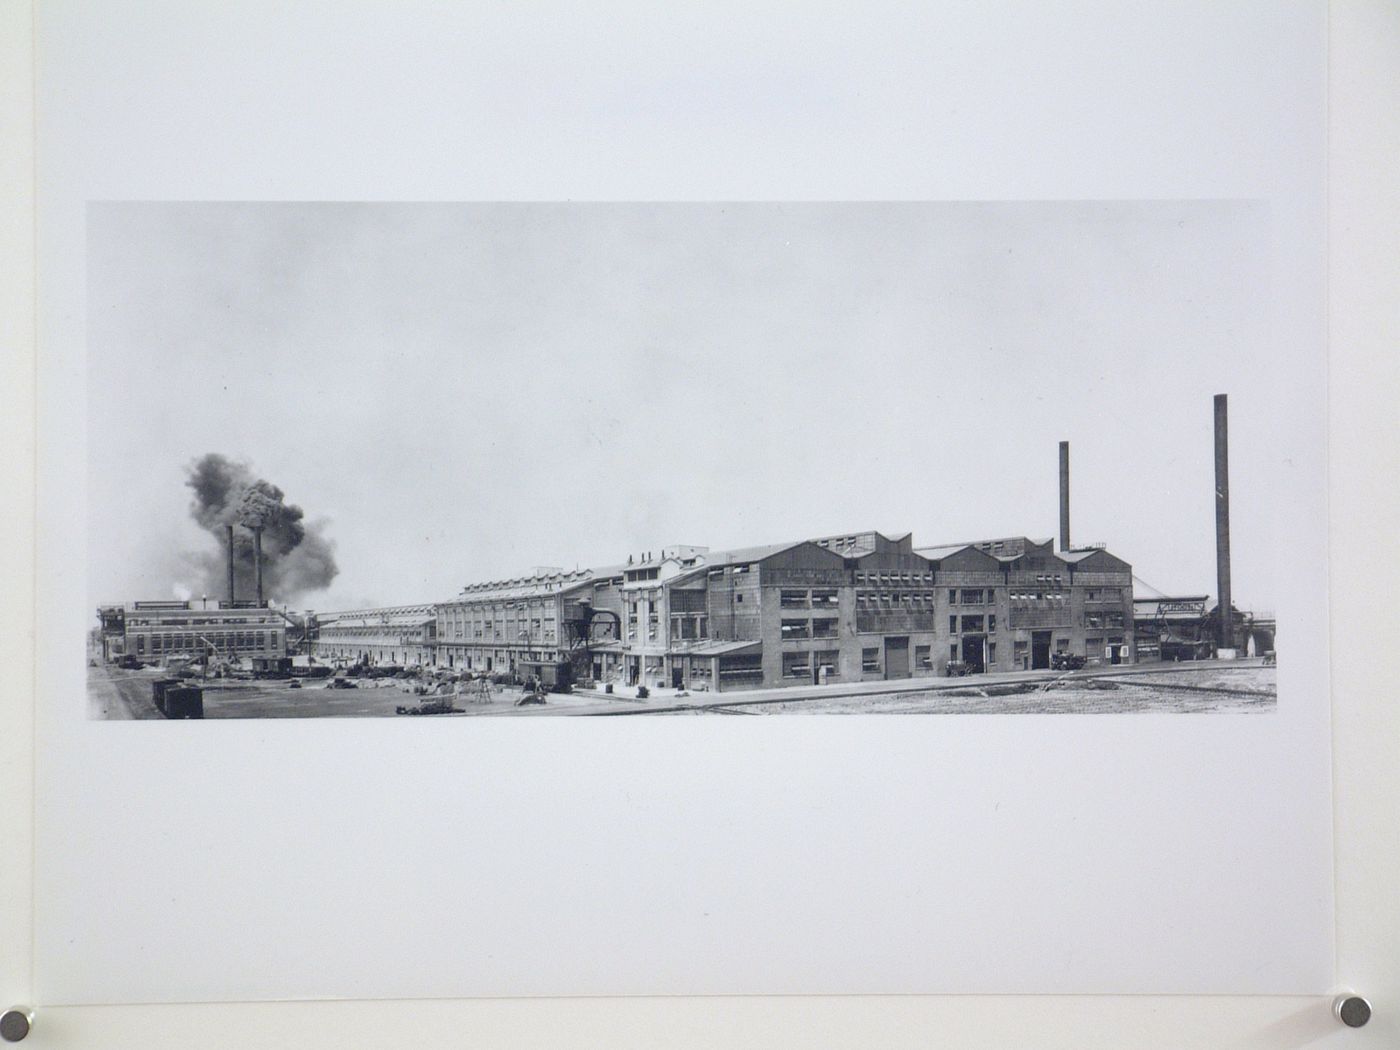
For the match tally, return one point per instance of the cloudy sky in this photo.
(457, 392)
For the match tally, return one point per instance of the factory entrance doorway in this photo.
(1040, 650)
(974, 653)
(896, 657)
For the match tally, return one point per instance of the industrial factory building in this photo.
(156, 632)
(159, 631)
(850, 608)
(520, 625)
(402, 636)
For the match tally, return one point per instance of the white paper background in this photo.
(954, 854)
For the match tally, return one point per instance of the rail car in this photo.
(174, 699)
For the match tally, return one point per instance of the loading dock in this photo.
(1040, 650)
(897, 657)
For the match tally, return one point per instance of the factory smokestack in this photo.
(231, 596)
(257, 561)
(1222, 523)
(294, 555)
(1064, 495)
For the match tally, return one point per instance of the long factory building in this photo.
(856, 607)
(158, 631)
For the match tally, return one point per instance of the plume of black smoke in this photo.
(296, 557)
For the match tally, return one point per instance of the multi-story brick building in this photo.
(154, 632)
(513, 626)
(401, 636)
(857, 607)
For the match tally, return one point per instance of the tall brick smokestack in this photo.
(1064, 495)
(293, 555)
(231, 595)
(257, 561)
(1222, 523)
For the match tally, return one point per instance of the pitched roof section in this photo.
(1143, 590)
(860, 544)
(398, 616)
(1076, 556)
(747, 555)
(939, 553)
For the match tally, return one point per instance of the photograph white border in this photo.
(1365, 724)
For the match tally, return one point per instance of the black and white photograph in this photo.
(411, 377)
(607, 459)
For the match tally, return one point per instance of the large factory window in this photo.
(923, 656)
(793, 629)
(824, 627)
(797, 665)
(870, 660)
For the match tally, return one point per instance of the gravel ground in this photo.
(1210, 688)
(1176, 692)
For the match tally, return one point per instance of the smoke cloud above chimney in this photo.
(296, 555)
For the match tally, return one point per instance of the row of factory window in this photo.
(691, 627)
(180, 642)
(653, 619)
(1110, 619)
(893, 579)
(826, 627)
(817, 627)
(973, 624)
(731, 570)
(956, 596)
(457, 620)
(336, 631)
(911, 598)
(684, 628)
(500, 630)
(198, 621)
(374, 639)
(492, 606)
(802, 664)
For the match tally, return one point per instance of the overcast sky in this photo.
(465, 391)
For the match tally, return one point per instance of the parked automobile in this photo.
(1066, 661)
(958, 669)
